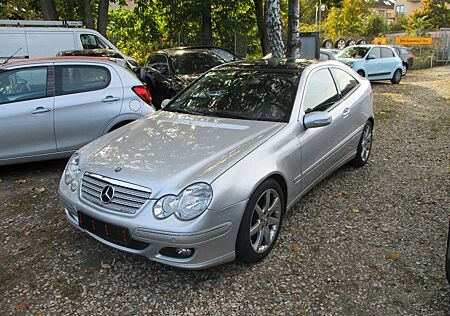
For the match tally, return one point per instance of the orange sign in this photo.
(380, 41)
(414, 41)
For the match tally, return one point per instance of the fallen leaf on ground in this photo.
(393, 255)
(22, 306)
(21, 181)
(295, 248)
(38, 190)
(108, 266)
(329, 264)
(28, 232)
(355, 210)
(342, 193)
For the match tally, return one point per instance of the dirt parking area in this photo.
(367, 241)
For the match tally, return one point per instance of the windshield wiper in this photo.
(229, 115)
(184, 111)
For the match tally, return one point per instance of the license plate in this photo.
(113, 233)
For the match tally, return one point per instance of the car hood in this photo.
(168, 151)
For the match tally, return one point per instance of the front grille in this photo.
(127, 198)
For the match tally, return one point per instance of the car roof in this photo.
(57, 59)
(370, 46)
(272, 64)
(177, 50)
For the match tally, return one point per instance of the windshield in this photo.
(186, 63)
(353, 52)
(240, 94)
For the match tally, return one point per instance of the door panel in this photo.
(321, 146)
(87, 98)
(373, 65)
(26, 113)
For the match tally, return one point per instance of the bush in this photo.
(375, 25)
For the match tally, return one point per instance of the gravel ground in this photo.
(367, 241)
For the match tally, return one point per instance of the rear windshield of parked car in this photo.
(240, 94)
(353, 52)
(194, 62)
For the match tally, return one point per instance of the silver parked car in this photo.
(209, 178)
(51, 107)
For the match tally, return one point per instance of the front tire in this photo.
(364, 146)
(397, 77)
(261, 222)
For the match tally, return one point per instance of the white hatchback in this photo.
(374, 62)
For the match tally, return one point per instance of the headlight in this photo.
(350, 64)
(72, 172)
(190, 203)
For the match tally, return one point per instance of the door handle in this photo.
(110, 98)
(346, 112)
(40, 109)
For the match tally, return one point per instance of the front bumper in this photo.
(212, 235)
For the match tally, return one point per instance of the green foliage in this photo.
(348, 19)
(375, 25)
(418, 25)
(20, 10)
(398, 25)
(435, 12)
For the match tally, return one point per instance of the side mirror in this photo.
(316, 119)
(164, 103)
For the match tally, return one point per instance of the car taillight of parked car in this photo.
(143, 93)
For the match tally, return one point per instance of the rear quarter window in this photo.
(81, 78)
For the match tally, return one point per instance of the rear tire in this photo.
(397, 77)
(261, 222)
(404, 69)
(364, 146)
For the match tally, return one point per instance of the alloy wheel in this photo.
(366, 144)
(265, 220)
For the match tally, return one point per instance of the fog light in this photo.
(184, 252)
(179, 253)
(67, 178)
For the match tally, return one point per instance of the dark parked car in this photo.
(168, 71)
(108, 53)
(406, 56)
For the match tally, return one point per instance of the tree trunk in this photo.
(293, 38)
(262, 29)
(48, 10)
(87, 13)
(274, 28)
(206, 31)
(102, 21)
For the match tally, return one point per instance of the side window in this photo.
(386, 53)
(345, 82)
(321, 93)
(375, 53)
(90, 41)
(23, 84)
(159, 62)
(81, 78)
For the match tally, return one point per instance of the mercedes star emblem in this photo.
(107, 194)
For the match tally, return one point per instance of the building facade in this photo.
(406, 7)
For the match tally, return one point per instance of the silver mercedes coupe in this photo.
(208, 178)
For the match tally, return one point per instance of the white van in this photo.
(35, 42)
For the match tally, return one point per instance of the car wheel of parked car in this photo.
(361, 73)
(397, 76)
(364, 146)
(404, 69)
(261, 222)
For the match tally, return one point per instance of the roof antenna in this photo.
(12, 55)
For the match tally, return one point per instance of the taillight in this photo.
(143, 93)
